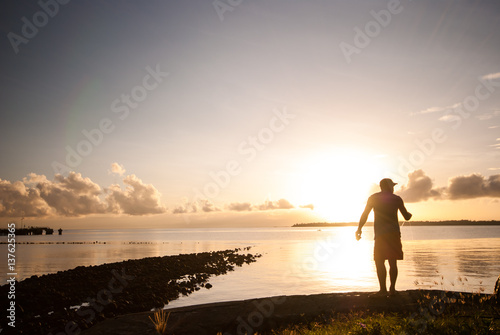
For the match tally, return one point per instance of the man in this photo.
(388, 246)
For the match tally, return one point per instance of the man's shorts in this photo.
(388, 246)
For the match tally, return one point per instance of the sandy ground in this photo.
(248, 316)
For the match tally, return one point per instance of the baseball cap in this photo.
(387, 182)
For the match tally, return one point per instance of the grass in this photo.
(456, 317)
(445, 313)
(160, 321)
(379, 324)
(476, 314)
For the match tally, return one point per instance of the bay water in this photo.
(294, 260)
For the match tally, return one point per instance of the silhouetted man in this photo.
(388, 246)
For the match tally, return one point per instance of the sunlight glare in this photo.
(337, 260)
(339, 182)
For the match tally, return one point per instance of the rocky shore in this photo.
(48, 304)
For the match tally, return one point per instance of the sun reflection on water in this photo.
(336, 260)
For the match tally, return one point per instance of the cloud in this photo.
(203, 205)
(491, 76)
(137, 199)
(488, 115)
(419, 188)
(474, 186)
(449, 118)
(496, 145)
(207, 206)
(70, 196)
(280, 204)
(18, 200)
(439, 109)
(117, 169)
(310, 206)
(240, 206)
(74, 195)
(266, 206)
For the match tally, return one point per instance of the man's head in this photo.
(387, 185)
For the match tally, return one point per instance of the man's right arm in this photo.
(364, 217)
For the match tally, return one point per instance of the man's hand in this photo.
(358, 235)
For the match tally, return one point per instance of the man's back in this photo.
(386, 206)
(387, 244)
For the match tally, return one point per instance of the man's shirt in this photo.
(386, 206)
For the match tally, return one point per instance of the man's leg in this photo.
(393, 273)
(381, 274)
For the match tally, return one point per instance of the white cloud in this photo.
(74, 195)
(280, 204)
(16, 199)
(449, 118)
(117, 169)
(240, 206)
(474, 186)
(491, 76)
(438, 109)
(488, 115)
(419, 188)
(207, 206)
(137, 199)
(203, 205)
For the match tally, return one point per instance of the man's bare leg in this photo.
(381, 274)
(393, 274)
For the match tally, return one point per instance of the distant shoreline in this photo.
(408, 223)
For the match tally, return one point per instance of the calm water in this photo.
(294, 261)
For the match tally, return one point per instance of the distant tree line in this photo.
(409, 223)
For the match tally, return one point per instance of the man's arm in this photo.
(407, 215)
(363, 218)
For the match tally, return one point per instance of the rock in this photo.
(138, 285)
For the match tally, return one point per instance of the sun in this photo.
(339, 182)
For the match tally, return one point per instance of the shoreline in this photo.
(272, 313)
(82, 297)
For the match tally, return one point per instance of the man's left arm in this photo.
(407, 215)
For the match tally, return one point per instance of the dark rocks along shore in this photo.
(48, 304)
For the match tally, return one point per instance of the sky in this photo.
(232, 113)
